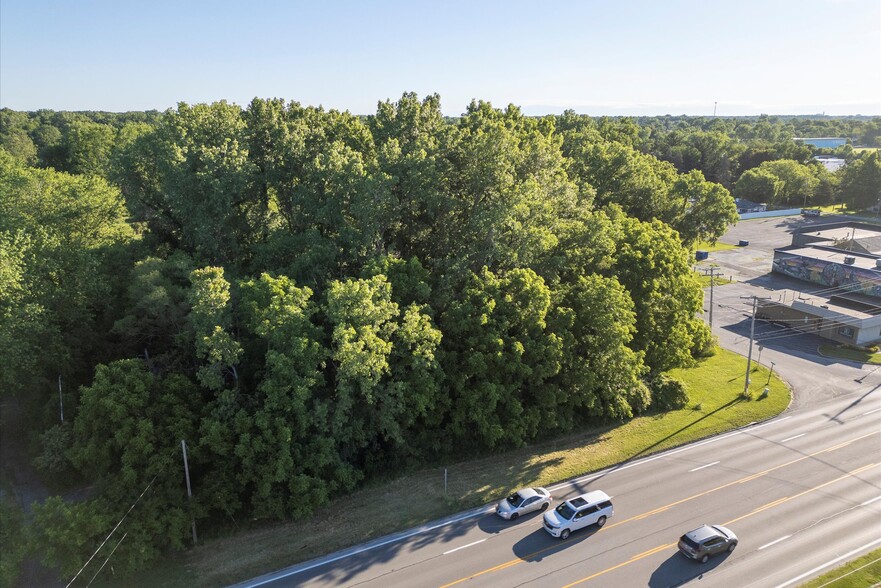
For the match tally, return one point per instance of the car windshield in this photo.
(515, 499)
(565, 511)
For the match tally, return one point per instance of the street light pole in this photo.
(771, 373)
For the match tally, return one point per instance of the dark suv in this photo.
(707, 540)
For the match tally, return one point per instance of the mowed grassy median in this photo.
(716, 404)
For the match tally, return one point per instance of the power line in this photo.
(112, 532)
(118, 543)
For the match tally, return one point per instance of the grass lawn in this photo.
(716, 405)
(717, 246)
(851, 354)
(865, 571)
(720, 280)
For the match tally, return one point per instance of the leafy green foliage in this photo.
(861, 182)
(668, 393)
(501, 357)
(210, 317)
(317, 299)
(14, 548)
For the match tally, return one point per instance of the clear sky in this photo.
(597, 57)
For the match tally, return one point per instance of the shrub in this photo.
(639, 398)
(703, 342)
(668, 393)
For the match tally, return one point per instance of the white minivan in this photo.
(588, 509)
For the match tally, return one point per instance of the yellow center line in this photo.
(660, 509)
(850, 474)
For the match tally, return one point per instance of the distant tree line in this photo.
(312, 299)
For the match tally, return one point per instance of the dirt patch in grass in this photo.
(716, 405)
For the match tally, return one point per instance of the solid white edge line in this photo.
(463, 547)
(791, 438)
(704, 466)
(871, 500)
(871, 411)
(748, 427)
(775, 542)
(395, 539)
(829, 563)
(282, 574)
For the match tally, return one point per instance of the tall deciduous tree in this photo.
(206, 182)
(861, 182)
(758, 185)
(500, 358)
(655, 268)
(286, 455)
(211, 319)
(600, 373)
(59, 230)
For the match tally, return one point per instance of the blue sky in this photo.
(612, 57)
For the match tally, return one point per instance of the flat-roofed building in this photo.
(822, 142)
(844, 259)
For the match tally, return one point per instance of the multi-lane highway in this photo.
(799, 491)
(802, 492)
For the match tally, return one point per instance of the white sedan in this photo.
(524, 501)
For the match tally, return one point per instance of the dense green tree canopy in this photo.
(312, 299)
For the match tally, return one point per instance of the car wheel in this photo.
(544, 507)
(565, 534)
(601, 521)
(731, 547)
(705, 558)
(514, 516)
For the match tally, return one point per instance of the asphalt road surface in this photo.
(799, 492)
(802, 492)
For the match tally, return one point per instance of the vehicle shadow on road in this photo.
(539, 545)
(492, 523)
(677, 570)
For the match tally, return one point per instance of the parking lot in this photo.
(795, 354)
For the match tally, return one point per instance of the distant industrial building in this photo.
(823, 142)
(831, 164)
(845, 260)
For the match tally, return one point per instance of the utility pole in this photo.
(712, 283)
(60, 399)
(749, 357)
(183, 445)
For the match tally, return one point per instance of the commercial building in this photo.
(844, 259)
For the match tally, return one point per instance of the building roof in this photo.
(868, 239)
(836, 308)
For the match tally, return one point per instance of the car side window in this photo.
(530, 501)
(605, 504)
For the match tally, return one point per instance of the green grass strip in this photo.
(850, 354)
(859, 573)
